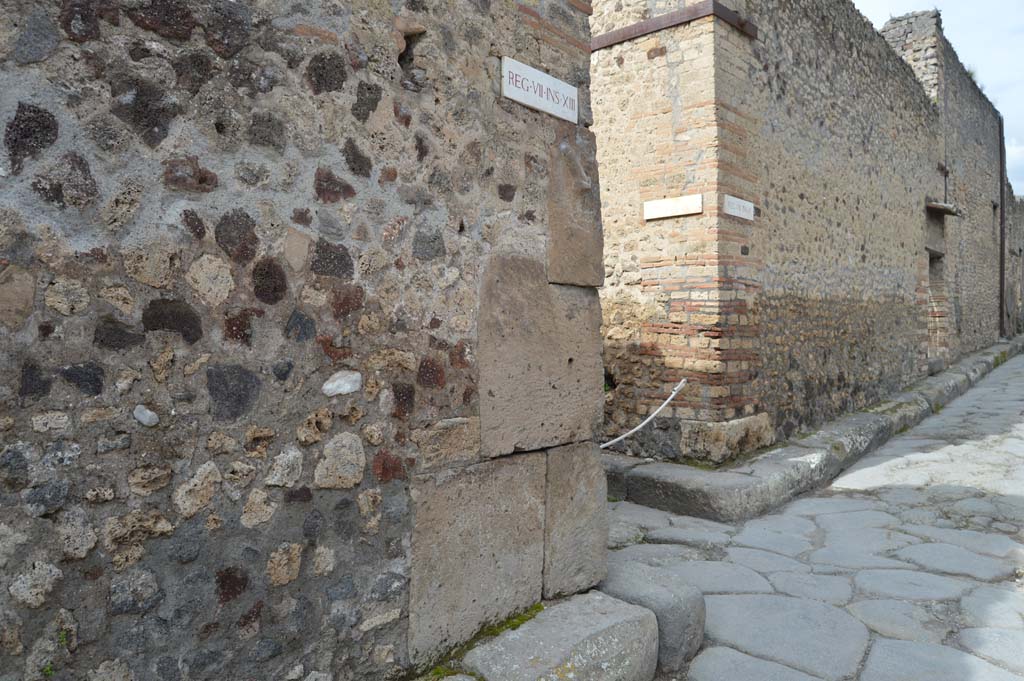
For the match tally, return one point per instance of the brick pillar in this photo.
(678, 302)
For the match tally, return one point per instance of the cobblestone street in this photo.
(908, 567)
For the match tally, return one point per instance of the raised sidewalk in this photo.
(757, 485)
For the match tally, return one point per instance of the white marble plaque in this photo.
(538, 90)
(670, 208)
(738, 208)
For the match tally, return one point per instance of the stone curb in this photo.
(758, 485)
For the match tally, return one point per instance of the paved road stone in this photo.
(812, 637)
(908, 661)
(899, 619)
(830, 589)
(726, 664)
(910, 585)
(993, 607)
(954, 560)
(1002, 646)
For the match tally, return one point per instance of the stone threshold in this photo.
(755, 486)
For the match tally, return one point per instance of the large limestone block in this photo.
(576, 531)
(592, 637)
(575, 241)
(477, 549)
(541, 378)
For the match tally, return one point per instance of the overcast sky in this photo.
(989, 37)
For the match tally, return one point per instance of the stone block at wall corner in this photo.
(576, 527)
(477, 550)
(575, 247)
(541, 376)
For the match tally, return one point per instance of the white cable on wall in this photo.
(650, 418)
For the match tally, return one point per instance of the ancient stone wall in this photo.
(300, 378)
(842, 288)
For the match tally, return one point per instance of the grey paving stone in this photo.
(1004, 647)
(870, 539)
(981, 542)
(898, 619)
(600, 638)
(726, 664)
(712, 577)
(856, 520)
(813, 506)
(640, 516)
(679, 608)
(806, 635)
(830, 589)
(854, 558)
(694, 523)
(909, 585)
(688, 536)
(910, 661)
(764, 561)
(990, 606)
(784, 524)
(656, 555)
(955, 560)
(776, 542)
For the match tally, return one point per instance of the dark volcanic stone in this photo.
(506, 192)
(80, 20)
(326, 72)
(30, 131)
(430, 373)
(236, 235)
(228, 27)
(405, 399)
(134, 592)
(46, 499)
(302, 216)
(13, 468)
(238, 325)
(312, 525)
(35, 383)
(428, 244)
(68, 182)
(231, 583)
(193, 223)
(299, 495)
(144, 106)
(185, 174)
(167, 669)
(114, 335)
(87, 377)
(346, 299)
(283, 369)
(233, 390)
(193, 69)
(387, 586)
(168, 18)
(37, 40)
(329, 188)
(267, 130)
(266, 649)
(300, 327)
(186, 543)
(358, 162)
(343, 590)
(367, 99)
(173, 315)
(331, 260)
(269, 282)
